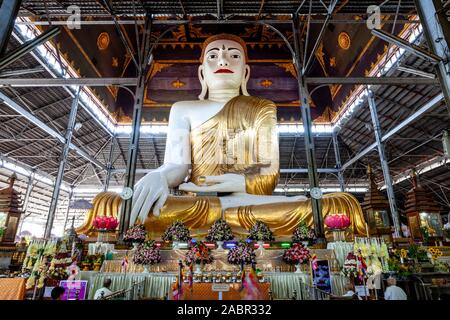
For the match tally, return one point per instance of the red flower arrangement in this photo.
(296, 254)
(198, 253)
(337, 221)
(106, 223)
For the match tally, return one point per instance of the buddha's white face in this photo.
(224, 65)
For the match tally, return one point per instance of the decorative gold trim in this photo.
(103, 41)
(344, 40)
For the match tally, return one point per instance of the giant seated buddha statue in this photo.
(224, 144)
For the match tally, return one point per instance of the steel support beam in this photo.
(337, 155)
(133, 148)
(295, 170)
(416, 115)
(437, 32)
(32, 118)
(372, 80)
(8, 13)
(99, 22)
(62, 166)
(319, 37)
(384, 164)
(26, 200)
(402, 43)
(28, 47)
(62, 82)
(309, 140)
(20, 72)
(109, 164)
(68, 208)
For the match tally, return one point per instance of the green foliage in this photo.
(425, 234)
(440, 266)
(260, 232)
(418, 252)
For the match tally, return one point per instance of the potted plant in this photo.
(177, 232)
(136, 234)
(260, 232)
(98, 261)
(303, 234)
(219, 232)
(242, 254)
(86, 263)
(147, 253)
(297, 255)
(198, 254)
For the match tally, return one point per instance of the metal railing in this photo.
(310, 293)
(423, 291)
(135, 292)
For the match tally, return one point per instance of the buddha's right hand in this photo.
(151, 190)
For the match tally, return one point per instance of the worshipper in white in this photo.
(103, 291)
(393, 292)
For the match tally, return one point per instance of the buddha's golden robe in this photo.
(240, 139)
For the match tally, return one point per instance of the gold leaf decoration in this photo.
(178, 84)
(103, 41)
(115, 62)
(266, 83)
(344, 40)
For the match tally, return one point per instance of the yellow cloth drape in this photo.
(283, 218)
(104, 204)
(240, 139)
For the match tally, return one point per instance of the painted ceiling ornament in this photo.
(333, 62)
(103, 41)
(344, 40)
(178, 84)
(266, 83)
(115, 62)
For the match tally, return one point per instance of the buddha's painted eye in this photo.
(235, 56)
(212, 56)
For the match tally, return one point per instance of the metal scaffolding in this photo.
(62, 166)
(384, 164)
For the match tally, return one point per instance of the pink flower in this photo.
(337, 221)
(109, 223)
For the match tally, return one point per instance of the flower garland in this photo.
(303, 233)
(198, 253)
(59, 263)
(177, 232)
(349, 269)
(260, 232)
(136, 233)
(243, 253)
(220, 231)
(105, 223)
(297, 254)
(147, 253)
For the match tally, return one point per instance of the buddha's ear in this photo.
(245, 80)
(202, 95)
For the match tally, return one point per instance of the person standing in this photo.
(393, 292)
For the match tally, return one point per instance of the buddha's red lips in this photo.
(224, 71)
